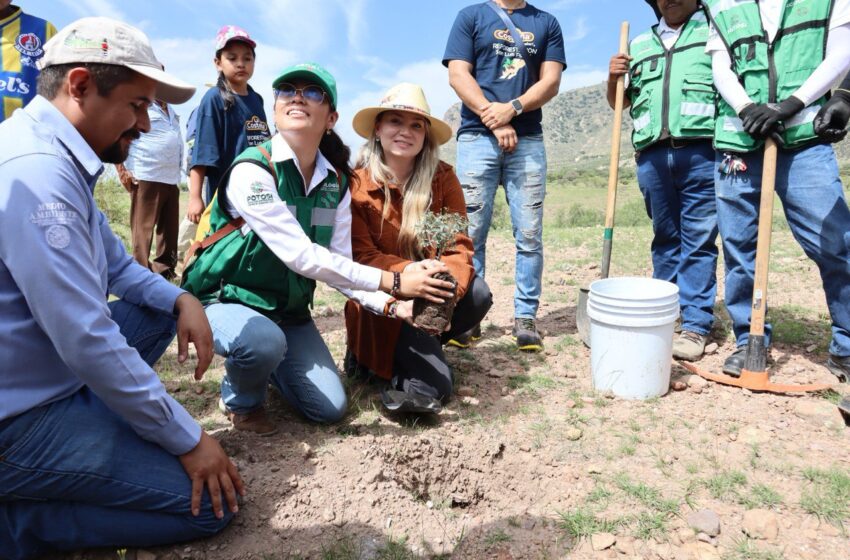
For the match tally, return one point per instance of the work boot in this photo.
(465, 340)
(689, 346)
(840, 367)
(735, 362)
(255, 421)
(402, 401)
(527, 336)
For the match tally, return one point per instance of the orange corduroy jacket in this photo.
(374, 242)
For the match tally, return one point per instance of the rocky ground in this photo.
(527, 461)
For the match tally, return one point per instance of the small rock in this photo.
(625, 545)
(733, 436)
(570, 374)
(678, 385)
(594, 469)
(668, 459)
(329, 515)
(696, 381)
(570, 403)
(711, 348)
(686, 535)
(704, 521)
(702, 537)
(199, 389)
(817, 411)
(700, 551)
(760, 524)
(274, 468)
(505, 391)
(525, 447)
(429, 504)
(293, 482)
(471, 401)
(573, 434)
(465, 391)
(587, 400)
(602, 541)
(811, 348)
(697, 389)
(306, 450)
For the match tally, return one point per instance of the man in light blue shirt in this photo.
(93, 450)
(151, 174)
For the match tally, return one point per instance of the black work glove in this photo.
(831, 121)
(765, 119)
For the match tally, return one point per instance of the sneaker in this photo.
(256, 421)
(689, 346)
(527, 336)
(840, 367)
(465, 340)
(735, 362)
(401, 401)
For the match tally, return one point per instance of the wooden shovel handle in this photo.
(614, 164)
(768, 184)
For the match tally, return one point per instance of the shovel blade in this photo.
(582, 319)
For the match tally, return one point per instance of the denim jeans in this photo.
(808, 184)
(293, 358)
(678, 188)
(481, 167)
(73, 474)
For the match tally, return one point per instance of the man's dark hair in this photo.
(106, 77)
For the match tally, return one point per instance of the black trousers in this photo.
(419, 365)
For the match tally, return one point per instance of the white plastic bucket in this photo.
(631, 335)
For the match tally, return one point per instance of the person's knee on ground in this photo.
(260, 346)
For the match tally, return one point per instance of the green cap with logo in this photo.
(312, 72)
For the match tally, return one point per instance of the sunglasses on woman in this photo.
(311, 93)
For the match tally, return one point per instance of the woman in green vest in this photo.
(289, 200)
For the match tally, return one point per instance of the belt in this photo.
(677, 143)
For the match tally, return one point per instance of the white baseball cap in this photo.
(103, 40)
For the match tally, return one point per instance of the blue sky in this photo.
(369, 45)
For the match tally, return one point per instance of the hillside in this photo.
(577, 125)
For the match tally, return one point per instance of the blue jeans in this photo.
(808, 184)
(293, 358)
(481, 167)
(678, 189)
(75, 475)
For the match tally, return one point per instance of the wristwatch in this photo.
(517, 105)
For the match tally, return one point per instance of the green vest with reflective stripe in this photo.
(770, 72)
(671, 91)
(242, 269)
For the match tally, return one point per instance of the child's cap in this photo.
(313, 72)
(232, 33)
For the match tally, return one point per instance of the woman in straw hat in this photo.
(288, 200)
(400, 178)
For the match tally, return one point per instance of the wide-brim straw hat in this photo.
(407, 98)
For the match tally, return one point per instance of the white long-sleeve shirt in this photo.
(832, 68)
(280, 231)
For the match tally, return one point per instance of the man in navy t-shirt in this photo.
(503, 87)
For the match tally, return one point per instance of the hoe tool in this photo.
(582, 320)
(754, 374)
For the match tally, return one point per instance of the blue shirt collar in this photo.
(46, 114)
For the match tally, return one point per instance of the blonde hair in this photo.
(415, 192)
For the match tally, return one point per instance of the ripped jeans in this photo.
(481, 167)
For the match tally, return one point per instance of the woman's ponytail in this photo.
(226, 93)
(337, 153)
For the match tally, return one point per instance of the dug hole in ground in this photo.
(527, 461)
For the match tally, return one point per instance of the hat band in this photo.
(390, 106)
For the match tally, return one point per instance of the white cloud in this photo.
(579, 31)
(581, 76)
(87, 8)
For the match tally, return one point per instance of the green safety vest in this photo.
(240, 268)
(770, 72)
(671, 91)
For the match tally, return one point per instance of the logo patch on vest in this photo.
(257, 196)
